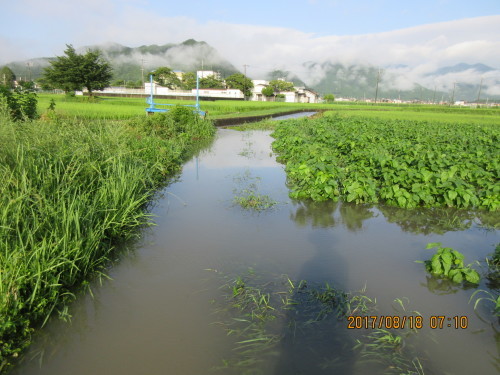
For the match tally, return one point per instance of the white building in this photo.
(300, 95)
(206, 73)
(212, 93)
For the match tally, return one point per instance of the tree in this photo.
(75, 72)
(189, 80)
(241, 82)
(280, 85)
(166, 78)
(329, 98)
(268, 91)
(210, 82)
(7, 77)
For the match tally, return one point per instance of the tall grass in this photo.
(69, 190)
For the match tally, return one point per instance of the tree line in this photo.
(75, 72)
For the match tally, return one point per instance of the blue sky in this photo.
(43, 27)
(327, 17)
(419, 36)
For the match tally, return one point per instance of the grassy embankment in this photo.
(70, 191)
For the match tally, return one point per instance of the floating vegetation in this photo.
(282, 326)
(248, 196)
(449, 263)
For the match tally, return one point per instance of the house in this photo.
(305, 95)
(258, 85)
(300, 95)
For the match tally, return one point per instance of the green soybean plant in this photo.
(449, 263)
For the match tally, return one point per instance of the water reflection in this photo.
(353, 215)
(310, 345)
(316, 214)
(323, 214)
(416, 221)
(440, 286)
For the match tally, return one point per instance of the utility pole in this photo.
(434, 96)
(453, 94)
(479, 93)
(142, 71)
(376, 90)
(244, 79)
(29, 64)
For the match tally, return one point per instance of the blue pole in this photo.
(151, 86)
(197, 92)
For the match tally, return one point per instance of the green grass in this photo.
(121, 108)
(425, 113)
(70, 190)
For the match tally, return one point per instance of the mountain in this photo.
(129, 62)
(396, 81)
(459, 82)
(462, 67)
(358, 81)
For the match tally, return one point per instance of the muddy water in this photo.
(156, 314)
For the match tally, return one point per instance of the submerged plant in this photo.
(285, 319)
(449, 263)
(388, 349)
(493, 276)
(248, 197)
(489, 297)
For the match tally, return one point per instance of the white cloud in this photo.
(421, 49)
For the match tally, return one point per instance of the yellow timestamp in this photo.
(407, 321)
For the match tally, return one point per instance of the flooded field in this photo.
(168, 307)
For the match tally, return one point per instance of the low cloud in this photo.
(415, 51)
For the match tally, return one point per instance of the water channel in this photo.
(160, 311)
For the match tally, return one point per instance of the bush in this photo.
(20, 104)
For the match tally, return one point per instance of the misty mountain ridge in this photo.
(481, 68)
(395, 81)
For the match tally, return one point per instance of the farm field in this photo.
(362, 194)
(122, 108)
(403, 163)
